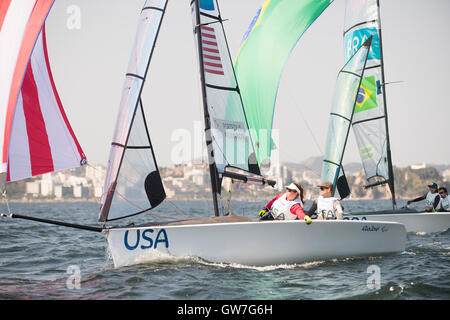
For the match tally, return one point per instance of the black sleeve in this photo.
(419, 198)
(436, 202)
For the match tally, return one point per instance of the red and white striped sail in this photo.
(35, 135)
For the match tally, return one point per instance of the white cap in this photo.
(293, 187)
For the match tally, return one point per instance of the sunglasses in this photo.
(291, 190)
(324, 188)
(442, 192)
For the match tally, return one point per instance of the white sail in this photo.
(227, 124)
(345, 95)
(133, 184)
(370, 119)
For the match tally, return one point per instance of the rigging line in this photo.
(359, 24)
(315, 172)
(96, 169)
(103, 172)
(177, 209)
(391, 82)
(129, 201)
(5, 198)
(297, 109)
(142, 209)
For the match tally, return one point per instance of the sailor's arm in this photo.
(418, 199)
(339, 210)
(268, 206)
(298, 211)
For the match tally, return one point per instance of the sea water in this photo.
(40, 261)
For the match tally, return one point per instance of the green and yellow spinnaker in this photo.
(273, 33)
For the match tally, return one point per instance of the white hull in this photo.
(257, 243)
(414, 222)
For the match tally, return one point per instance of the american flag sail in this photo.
(211, 54)
(230, 140)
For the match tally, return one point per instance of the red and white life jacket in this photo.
(281, 208)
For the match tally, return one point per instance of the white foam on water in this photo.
(263, 268)
(409, 253)
(158, 257)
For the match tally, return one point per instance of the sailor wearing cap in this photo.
(285, 206)
(327, 206)
(431, 198)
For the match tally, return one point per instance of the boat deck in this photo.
(397, 211)
(232, 217)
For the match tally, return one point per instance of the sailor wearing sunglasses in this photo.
(326, 206)
(286, 206)
(444, 203)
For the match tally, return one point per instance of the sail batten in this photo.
(342, 112)
(227, 120)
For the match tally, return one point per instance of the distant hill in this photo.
(440, 167)
(315, 164)
(310, 164)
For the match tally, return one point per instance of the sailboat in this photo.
(370, 122)
(221, 238)
(133, 183)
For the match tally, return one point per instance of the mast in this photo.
(370, 125)
(208, 138)
(388, 145)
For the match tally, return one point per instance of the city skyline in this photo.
(90, 44)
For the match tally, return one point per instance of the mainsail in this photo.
(227, 135)
(133, 184)
(273, 33)
(370, 124)
(35, 135)
(342, 112)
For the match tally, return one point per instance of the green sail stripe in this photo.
(272, 35)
